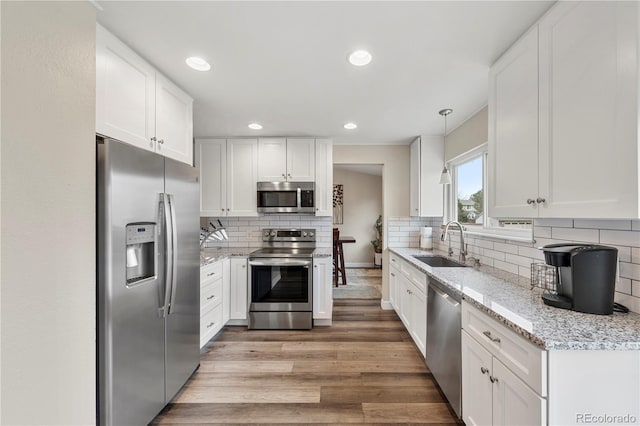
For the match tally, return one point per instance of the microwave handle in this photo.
(299, 197)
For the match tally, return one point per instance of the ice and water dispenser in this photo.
(141, 259)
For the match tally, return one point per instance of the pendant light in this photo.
(445, 177)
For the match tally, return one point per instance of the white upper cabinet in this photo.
(301, 160)
(125, 93)
(513, 130)
(563, 116)
(324, 177)
(427, 159)
(137, 105)
(272, 153)
(286, 160)
(228, 176)
(242, 177)
(174, 121)
(589, 112)
(211, 160)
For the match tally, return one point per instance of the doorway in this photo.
(358, 204)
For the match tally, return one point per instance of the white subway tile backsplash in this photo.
(622, 225)
(493, 254)
(506, 248)
(541, 232)
(624, 285)
(509, 267)
(635, 288)
(620, 238)
(518, 260)
(557, 223)
(630, 270)
(576, 234)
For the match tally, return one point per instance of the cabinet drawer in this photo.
(210, 272)
(527, 361)
(210, 324)
(210, 295)
(416, 276)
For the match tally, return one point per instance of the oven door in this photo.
(280, 285)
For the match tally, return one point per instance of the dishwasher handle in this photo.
(444, 295)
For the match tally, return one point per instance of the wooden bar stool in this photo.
(338, 259)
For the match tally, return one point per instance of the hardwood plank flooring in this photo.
(364, 369)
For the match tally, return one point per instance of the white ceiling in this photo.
(283, 64)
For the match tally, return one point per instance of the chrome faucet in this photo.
(463, 248)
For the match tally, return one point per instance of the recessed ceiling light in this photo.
(360, 58)
(255, 126)
(198, 64)
(350, 126)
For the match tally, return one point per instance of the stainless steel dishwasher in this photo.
(444, 356)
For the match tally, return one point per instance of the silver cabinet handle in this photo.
(227, 209)
(283, 175)
(315, 266)
(210, 324)
(244, 266)
(317, 208)
(393, 275)
(211, 297)
(540, 200)
(211, 273)
(493, 379)
(531, 201)
(393, 260)
(289, 174)
(161, 141)
(484, 370)
(221, 210)
(493, 339)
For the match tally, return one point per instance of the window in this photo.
(467, 201)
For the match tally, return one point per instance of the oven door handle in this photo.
(280, 262)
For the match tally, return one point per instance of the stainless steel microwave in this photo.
(286, 197)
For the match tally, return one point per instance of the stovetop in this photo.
(283, 252)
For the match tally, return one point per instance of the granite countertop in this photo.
(509, 299)
(213, 254)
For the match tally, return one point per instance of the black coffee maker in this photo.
(586, 277)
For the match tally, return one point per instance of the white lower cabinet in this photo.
(322, 290)
(238, 292)
(492, 394)
(503, 375)
(213, 299)
(407, 294)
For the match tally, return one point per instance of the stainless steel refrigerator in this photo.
(148, 281)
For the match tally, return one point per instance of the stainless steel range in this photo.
(281, 280)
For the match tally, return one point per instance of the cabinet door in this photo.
(211, 160)
(125, 93)
(514, 403)
(477, 405)
(324, 177)
(238, 293)
(431, 162)
(394, 275)
(272, 153)
(301, 162)
(588, 110)
(226, 290)
(242, 174)
(174, 121)
(404, 299)
(322, 288)
(419, 318)
(414, 181)
(513, 130)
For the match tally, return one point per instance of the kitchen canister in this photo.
(426, 242)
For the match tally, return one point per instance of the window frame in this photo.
(451, 199)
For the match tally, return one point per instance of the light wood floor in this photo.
(363, 369)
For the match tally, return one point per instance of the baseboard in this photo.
(386, 305)
(358, 264)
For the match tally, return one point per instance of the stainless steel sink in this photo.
(439, 262)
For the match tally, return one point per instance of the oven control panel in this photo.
(292, 235)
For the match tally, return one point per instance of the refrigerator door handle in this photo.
(174, 253)
(168, 258)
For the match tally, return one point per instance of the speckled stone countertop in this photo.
(213, 254)
(509, 299)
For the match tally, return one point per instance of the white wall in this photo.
(468, 135)
(362, 206)
(395, 183)
(47, 281)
